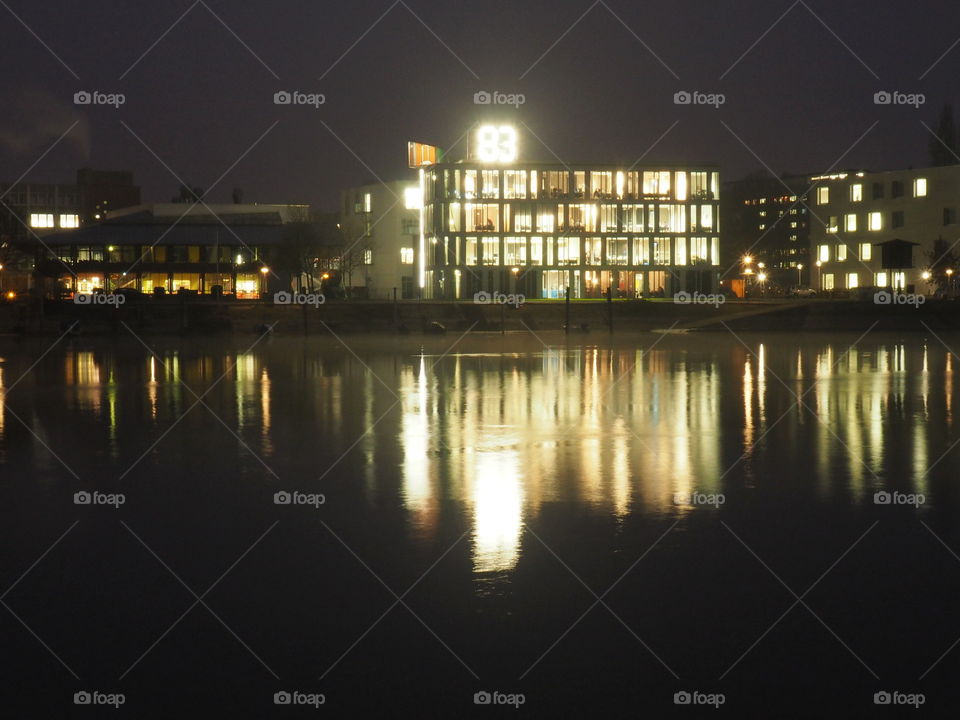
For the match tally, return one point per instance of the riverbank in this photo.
(173, 316)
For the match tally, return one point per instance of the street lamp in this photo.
(747, 259)
(950, 279)
(1, 277)
(799, 273)
(819, 275)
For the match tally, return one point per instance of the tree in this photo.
(942, 257)
(302, 245)
(944, 149)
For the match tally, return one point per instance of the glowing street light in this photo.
(264, 269)
(925, 274)
(747, 259)
(799, 273)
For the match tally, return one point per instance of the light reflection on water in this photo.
(616, 430)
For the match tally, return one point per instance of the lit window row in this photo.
(46, 220)
(879, 190)
(494, 184)
(574, 250)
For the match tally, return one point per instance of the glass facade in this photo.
(539, 229)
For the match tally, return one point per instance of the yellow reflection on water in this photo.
(497, 511)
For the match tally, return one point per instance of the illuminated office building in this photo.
(493, 222)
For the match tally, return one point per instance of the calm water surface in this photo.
(597, 524)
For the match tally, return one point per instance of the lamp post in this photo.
(819, 275)
(799, 274)
(513, 284)
(1, 277)
(950, 279)
(263, 281)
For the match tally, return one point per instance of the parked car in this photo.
(803, 291)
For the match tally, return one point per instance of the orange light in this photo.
(11, 295)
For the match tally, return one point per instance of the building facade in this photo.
(380, 226)
(766, 218)
(166, 248)
(491, 222)
(861, 214)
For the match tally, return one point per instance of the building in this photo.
(493, 222)
(766, 218)
(43, 208)
(165, 248)
(380, 224)
(892, 229)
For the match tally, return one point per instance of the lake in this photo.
(580, 525)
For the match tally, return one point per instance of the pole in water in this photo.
(610, 308)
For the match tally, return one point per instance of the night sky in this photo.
(200, 99)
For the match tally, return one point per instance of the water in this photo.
(596, 524)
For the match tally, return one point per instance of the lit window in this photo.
(41, 220)
(841, 253)
(69, 221)
(823, 253)
(368, 257)
(881, 279)
(851, 222)
(828, 281)
(853, 281)
(856, 192)
(823, 195)
(920, 187)
(866, 251)
(367, 203)
(412, 198)
(834, 224)
(875, 221)
(406, 256)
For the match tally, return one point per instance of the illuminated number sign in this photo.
(496, 144)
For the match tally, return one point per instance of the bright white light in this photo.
(412, 198)
(496, 144)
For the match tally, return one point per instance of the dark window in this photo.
(406, 287)
(897, 220)
(896, 189)
(949, 216)
(877, 191)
